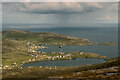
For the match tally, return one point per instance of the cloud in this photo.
(0, 15)
(27, 1)
(0, 6)
(105, 18)
(114, 7)
(58, 7)
(59, 12)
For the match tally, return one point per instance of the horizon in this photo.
(53, 26)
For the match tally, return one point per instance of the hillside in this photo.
(16, 50)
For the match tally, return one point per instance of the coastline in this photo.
(23, 49)
(28, 47)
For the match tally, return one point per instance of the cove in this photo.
(103, 50)
(65, 63)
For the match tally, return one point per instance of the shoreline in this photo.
(63, 71)
(34, 48)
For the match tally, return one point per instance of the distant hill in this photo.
(44, 38)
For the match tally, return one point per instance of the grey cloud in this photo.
(56, 8)
(62, 13)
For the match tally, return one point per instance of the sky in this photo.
(60, 13)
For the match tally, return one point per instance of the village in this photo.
(43, 56)
(30, 49)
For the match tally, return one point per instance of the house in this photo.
(0, 67)
(34, 54)
(81, 52)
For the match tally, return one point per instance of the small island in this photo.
(109, 43)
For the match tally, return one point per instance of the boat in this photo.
(60, 46)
